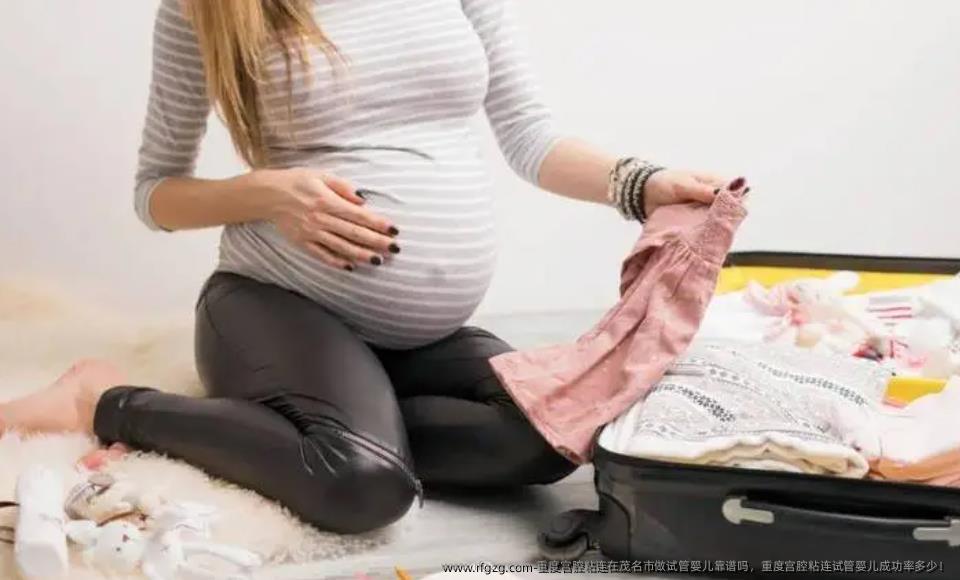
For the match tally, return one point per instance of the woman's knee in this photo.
(554, 468)
(548, 465)
(362, 492)
(533, 460)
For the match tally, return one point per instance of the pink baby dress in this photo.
(570, 391)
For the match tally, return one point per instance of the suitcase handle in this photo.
(739, 510)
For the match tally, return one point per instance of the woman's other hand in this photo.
(325, 215)
(672, 186)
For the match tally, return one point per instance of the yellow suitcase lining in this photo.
(902, 389)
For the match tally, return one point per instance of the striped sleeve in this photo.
(521, 122)
(177, 108)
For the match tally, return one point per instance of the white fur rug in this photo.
(42, 331)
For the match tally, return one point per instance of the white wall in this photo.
(844, 113)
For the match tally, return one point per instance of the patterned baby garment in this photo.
(570, 391)
(754, 406)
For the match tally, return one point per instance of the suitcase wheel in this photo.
(567, 537)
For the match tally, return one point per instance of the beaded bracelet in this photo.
(628, 181)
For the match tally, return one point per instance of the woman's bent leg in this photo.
(464, 428)
(302, 411)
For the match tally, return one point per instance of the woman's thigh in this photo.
(262, 343)
(457, 366)
(464, 428)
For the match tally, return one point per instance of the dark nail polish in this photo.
(716, 191)
(393, 231)
(376, 260)
(738, 184)
(746, 191)
(394, 249)
(348, 268)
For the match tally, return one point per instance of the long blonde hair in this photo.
(234, 36)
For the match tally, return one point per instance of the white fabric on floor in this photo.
(42, 331)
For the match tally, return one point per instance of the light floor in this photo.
(499, 528)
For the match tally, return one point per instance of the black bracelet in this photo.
(628, 182)
(649, 172)
(635, 194)
(620, 193)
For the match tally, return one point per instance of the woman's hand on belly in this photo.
(324, 214)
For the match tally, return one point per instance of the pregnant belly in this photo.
(448, 252)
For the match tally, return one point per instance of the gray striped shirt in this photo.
(398, 122)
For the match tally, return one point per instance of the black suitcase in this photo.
(663, 518)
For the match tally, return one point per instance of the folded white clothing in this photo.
(808, 312)
(923, 328)
(912, 331)
(922, 430)
(943, 298)
(736, 404)
(40, 542)
(731, 317)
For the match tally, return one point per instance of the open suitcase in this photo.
(662, 518)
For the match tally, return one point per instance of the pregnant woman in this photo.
(330, 339)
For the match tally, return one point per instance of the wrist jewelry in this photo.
(628, 181)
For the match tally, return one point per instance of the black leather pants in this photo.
(302, 411)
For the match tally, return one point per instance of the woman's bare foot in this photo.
(66, 405)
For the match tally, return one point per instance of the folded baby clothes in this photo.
(944, 297)
(808, 312)
(753, 406)
(569, 392)
(730, 317)
(918, 443)
(913, 331)
(942, 470)
(922, 328)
